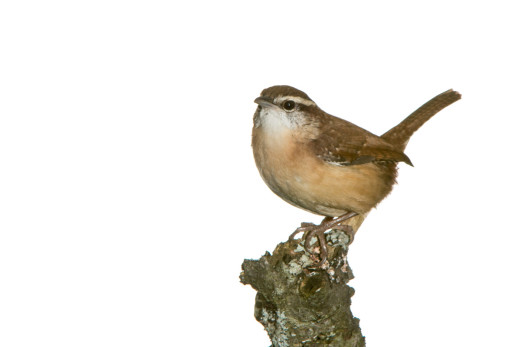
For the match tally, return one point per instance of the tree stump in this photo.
(299, 305)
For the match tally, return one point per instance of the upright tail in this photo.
(401, 133)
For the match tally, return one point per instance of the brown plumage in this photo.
(327, 165)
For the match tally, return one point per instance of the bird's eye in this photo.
(288, 105)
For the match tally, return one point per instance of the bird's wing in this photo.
(343, 143)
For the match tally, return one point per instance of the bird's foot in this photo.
(310, 230)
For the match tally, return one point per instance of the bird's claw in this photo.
(311, 230)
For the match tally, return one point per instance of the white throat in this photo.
(274, 120)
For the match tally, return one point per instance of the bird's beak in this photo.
(262, 101)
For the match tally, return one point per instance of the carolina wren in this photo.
(327, 165)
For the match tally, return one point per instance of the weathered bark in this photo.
(302, 306)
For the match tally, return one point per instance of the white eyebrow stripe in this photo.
(296, 99)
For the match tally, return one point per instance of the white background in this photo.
(129, 196)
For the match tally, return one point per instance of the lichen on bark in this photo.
(299, 305)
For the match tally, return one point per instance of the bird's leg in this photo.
(307, 227)
(310, 230)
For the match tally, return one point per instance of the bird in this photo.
(327, 165)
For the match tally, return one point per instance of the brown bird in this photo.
(327, 165)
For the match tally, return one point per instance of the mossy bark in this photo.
(303, 306)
